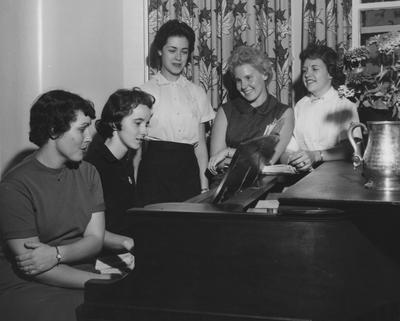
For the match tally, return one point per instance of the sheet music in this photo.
(279, 169)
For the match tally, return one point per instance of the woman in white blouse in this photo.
(173, 164)
(322, 117)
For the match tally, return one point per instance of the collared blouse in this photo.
(321, 123)
(246, 122)
(179, 108)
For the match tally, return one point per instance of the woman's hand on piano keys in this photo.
(128, 243)
(117, 242)
(120, 264)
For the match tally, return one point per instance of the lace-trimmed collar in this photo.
(161, 80)
(328, 95)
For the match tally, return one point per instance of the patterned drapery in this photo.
(328, 22)
(222, 25)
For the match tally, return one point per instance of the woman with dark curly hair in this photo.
(173, 164)
(253, 114)
(322, 117)
(52, 215)
(122, 126)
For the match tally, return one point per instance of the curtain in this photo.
(222, 25)
(328, 22)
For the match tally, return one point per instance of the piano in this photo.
(330, 259)
(330, 253)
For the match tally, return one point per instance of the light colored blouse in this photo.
(321, 123)
(179, 108)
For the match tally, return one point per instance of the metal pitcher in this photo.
(380, 162)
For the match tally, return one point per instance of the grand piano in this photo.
(330, 253)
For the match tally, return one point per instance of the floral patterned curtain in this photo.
(221, 26)
(328, 22)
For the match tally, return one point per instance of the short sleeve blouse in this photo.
(54, 204)
(179, 108)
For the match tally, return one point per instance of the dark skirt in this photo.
(168, 172)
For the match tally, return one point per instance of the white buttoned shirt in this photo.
(179, 108)
(321, 123)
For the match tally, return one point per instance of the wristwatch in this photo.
(58, 255)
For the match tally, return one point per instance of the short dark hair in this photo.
(328, 56)
(119, 105)
(170, 29)
(53, 112)
(252, 56)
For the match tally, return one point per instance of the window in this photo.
(373, 17)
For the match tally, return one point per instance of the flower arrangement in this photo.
(372, 74)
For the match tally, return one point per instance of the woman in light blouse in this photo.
(173, 164)
(322, 117)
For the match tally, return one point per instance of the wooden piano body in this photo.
(199, 262)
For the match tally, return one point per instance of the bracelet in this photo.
(321, 157)
(229, 152)
(205, 189)
(58, 255)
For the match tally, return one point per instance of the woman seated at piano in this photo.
(254, 113)
(122, 126)
(52, 215)
(322, 117)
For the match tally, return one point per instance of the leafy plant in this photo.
(372, 74)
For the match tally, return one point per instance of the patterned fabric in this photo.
(328, 22)
(221, 26)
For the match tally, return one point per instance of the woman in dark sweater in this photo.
(121, 127)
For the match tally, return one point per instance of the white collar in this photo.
(328, 95)
(161, 80)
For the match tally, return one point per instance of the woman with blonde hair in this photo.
(253, 114)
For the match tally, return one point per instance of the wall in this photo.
(91, 47)
(19, 80)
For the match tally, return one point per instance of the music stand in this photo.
(249, 158)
